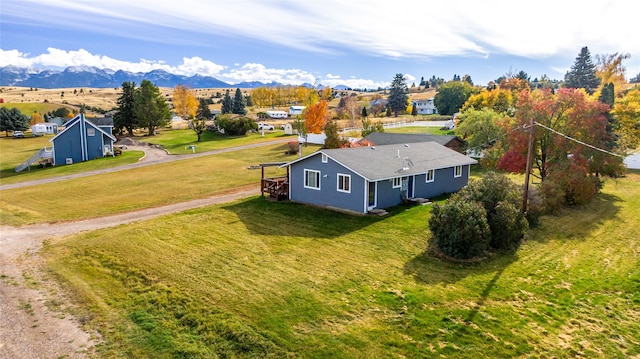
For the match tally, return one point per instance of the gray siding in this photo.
(328, 195)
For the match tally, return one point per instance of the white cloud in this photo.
(397, 29)
(56, 58)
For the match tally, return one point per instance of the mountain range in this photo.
(87, 76)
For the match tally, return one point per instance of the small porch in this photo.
(277, 188)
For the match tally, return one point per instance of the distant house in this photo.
(425, 106)
(296, 110)
(358, 180)
(277, 114)
(82, 140)
(384, 138)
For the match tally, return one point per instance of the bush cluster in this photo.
(236, 126)
(484, 216)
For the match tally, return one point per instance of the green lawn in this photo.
(139, 188)
(261, 279)
(15, 151)
(178, 141)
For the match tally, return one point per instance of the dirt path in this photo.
(28, 327)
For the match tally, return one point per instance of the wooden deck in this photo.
(277, 188)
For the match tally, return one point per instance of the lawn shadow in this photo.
(426, 268)
(576, 222)
(263, 217)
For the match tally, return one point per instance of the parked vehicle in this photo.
(18, 134)
(265, 126)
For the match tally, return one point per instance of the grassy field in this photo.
(177, 141)
(262, 279)
(138, 188)
(15, 151)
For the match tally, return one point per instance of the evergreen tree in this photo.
(124, 116)
(238, 103)
(583, 73)
(333, 139)
(607, 95)
(398, 95)
(227, 104)
(12, 120)
(364, 114)
(149, 107)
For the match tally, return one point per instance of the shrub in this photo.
(236, 126)
(502, 201)
(487, 214)
(292, 147)
(460, 228)
(576, 186)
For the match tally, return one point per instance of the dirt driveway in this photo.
(30, 327)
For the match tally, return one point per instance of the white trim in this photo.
(317, 176)
(455, 170)
(393, 182)
(339, 182)
(433, 176)
(325, 159)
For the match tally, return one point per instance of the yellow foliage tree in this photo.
(327, 93)
(316, 117)
(185, 104)
(627, 111)
(36, 118)
(610, 70)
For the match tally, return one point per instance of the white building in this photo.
(425, 106)
(277, 114)
(296, 110)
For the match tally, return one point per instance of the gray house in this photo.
(362, 179)
(82, 140)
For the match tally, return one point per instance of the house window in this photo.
(397, 182)
(91, 131)
(312, 179)
(344, 183)
(324, 158)
(431, 174)
(457, 171)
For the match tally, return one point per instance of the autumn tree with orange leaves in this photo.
(185, 104)
(316, 117)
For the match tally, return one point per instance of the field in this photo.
(262, 279)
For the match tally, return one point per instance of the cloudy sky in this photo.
(356, 43)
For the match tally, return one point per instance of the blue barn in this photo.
(362, 179)
(82, 140)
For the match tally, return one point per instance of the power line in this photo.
(578, 141)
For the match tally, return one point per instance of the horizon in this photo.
(358, 45)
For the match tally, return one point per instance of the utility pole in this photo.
(528, 170)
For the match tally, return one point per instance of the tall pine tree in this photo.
(238, 103)
(124, 116)
(583, 73)
(227, 104)
(398, 95)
